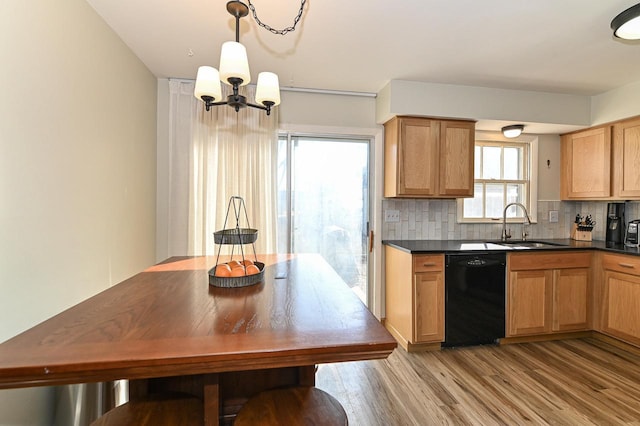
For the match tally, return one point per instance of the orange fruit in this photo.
(238, 271)
(252, 270)
(223, 270)
(247, 262)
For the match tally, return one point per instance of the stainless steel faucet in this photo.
(505, 236)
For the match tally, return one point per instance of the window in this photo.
(503, 173)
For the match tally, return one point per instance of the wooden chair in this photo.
(297, 406)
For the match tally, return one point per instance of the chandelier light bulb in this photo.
(268, 88)
(208, 84)
(234, 63)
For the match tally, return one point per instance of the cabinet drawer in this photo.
(621, 263)
(428, 262)
(549, 260)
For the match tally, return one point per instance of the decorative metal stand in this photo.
(238, 236)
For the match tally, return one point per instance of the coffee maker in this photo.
(615, 223)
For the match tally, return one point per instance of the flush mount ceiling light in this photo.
(234, 69)
(627, 24)
(512, 131)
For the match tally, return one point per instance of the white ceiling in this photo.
(561, 46)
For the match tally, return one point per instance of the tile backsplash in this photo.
(437, 220)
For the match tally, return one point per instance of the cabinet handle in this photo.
(626, 265)
(429, 264)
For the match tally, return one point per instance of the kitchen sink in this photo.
(525, 244)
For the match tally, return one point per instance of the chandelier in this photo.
(234, 69)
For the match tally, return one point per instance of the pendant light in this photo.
(234, 69)
(627, 24)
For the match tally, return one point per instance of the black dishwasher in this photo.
(474, 298)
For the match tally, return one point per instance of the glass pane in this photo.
(477, 163)
(330, 204)
(495, 200)
(473, 206)
(513, 163)
(515, 194)
(491, 159)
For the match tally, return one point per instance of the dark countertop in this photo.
(440, 246)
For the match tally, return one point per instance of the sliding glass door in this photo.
(323, 203)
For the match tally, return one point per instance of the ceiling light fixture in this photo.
(234, 69)
(627, 24)
(512, 131)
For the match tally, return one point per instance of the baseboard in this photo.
(614, 341)
(424, 347)
(546, 337)
(406, 345)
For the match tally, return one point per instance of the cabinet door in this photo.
(418, 156)
(529, 302)
(571, 299)
(621, 306)
(586, 163)
(398, 294)
(457, 147)
(626, 154)
(429, 307)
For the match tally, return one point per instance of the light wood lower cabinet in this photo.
(414, 291)
(548, 292)
(571, 299)
(620, 314)
(529, 302)
(429, 307)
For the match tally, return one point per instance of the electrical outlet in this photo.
(392, 215)
(553, 216)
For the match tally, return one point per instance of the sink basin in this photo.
(528, 244)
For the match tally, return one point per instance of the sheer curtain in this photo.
(215, 155)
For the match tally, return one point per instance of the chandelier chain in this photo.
(273, 30)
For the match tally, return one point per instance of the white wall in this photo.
(77, 169)
(616, 104)
(549, 176)
(400, 97)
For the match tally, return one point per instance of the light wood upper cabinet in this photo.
(457, 148)
(586, 160)
(414, 292)
(602, 163)
(428, 158)
(626, 159)
(548, 292)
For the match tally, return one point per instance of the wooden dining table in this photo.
(167, 328)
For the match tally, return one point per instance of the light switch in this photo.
(553, 216)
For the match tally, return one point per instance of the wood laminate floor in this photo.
(570, 382)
